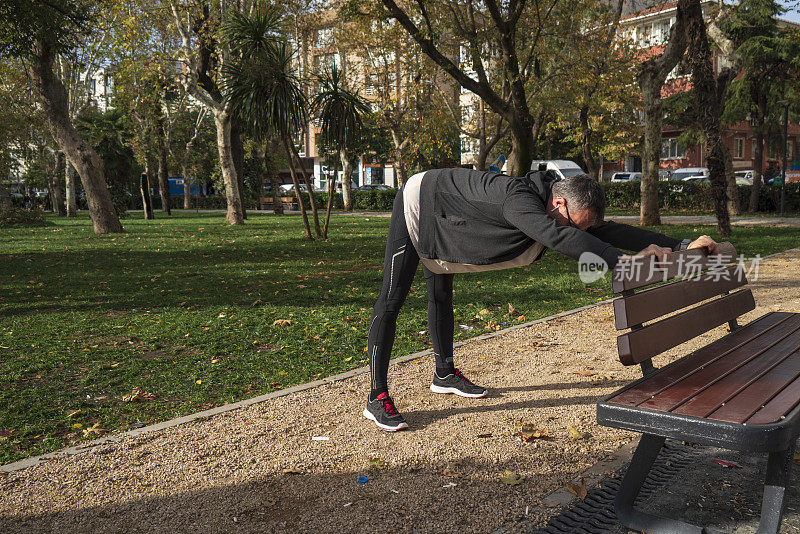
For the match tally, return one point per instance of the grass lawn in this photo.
(103, 333)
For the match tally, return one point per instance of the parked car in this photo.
(374, 187)
(626, 176)
(288, 189)
(702, 179)
(688, 172)
(744, 177)
(562, 167)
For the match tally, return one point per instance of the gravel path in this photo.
(259, 470)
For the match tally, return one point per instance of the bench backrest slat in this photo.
(644, 343)
(640, 272)
(661, 300)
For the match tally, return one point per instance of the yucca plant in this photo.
(340, 111)
(264, 89)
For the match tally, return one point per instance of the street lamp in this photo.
(785, 104)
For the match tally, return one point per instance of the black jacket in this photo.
(482, 218)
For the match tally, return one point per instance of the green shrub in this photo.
(14, 216)
(695, 196)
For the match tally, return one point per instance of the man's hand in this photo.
(652, 250)
(704, 242)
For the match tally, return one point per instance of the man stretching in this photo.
(460, 220)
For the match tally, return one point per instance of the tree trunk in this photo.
(270, 168)
(331, 192)
(5, 198)
(144, 188)
(69, 187)
(707, 104)
(347, 167)
(237, 148)
(187, 188)
(222, 121)
(732, 188)
(58, 197)
(758, 167)
(297, 189)
(163, 169)
(651, 154)
(586, 144)
(50, 91)
(310, 186)
(521, 156)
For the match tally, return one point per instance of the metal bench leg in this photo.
(643, 459)
(779, 469)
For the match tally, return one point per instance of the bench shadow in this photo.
(418, 419)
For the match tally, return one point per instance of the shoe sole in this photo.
(402, 426)
(442, 389)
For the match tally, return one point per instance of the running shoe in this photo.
(458, 384)
(382, 412)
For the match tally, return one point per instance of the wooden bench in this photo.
(289, 203)
(741, 392)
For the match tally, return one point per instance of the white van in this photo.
(562, 167)
(689, 172)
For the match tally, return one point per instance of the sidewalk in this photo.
(257, 469)
(628, 219)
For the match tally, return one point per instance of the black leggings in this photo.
(399, 266)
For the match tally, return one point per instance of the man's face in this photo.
(563, 215)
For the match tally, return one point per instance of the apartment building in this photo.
(649, 30)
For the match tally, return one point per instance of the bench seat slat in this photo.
(725, 385)
(687, 366)
(758, 352)
(653, 339)
(657, 301)
(783, 403)
(754, 380)
(750, 400)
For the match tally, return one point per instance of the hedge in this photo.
(694, 196)
(624, 196)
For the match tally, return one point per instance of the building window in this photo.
(325, 37)
(738, 148)
(671, 149)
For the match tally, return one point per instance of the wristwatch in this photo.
(684, 244)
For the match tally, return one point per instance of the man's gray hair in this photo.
(582, 193)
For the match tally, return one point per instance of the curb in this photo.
(85, 446)
(557, 497)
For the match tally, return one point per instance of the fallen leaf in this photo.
(530, 432)
(511, 310)
(577, 490)
(484, 436)
(282, 322)
(520, 319)
(73, 413)
(510, 478)
(256, 303)
(481, 313)
(94, 429)
(584, 373)
(375, 463)
(137, 395)
(576, 435)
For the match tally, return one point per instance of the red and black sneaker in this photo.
(382, 412)
(458, 384)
